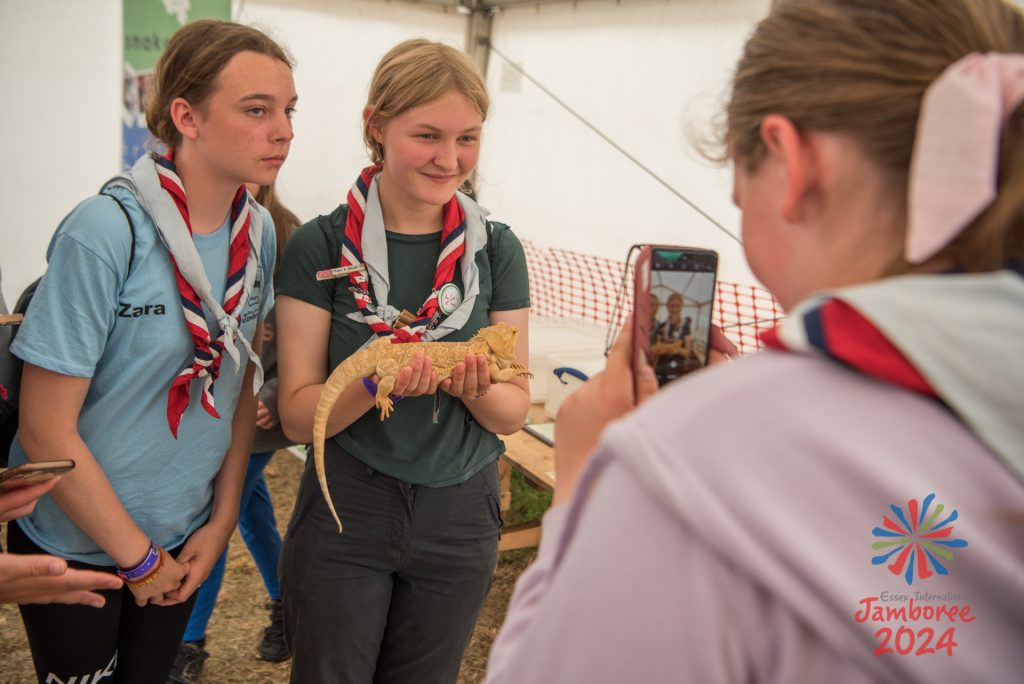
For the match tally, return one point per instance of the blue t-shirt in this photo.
(90, 318)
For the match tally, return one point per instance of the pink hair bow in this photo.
(956, 153)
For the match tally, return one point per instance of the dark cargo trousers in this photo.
(393, 598)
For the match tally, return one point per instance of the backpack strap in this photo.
(327, 243)
(131, 230)
(9, 405)
(21, 306)
(490, 244)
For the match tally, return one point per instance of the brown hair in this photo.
(416, 72)
(861, 67)
(285, 221)
(189, 66)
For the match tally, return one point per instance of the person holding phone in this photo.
(394, 597)
(804, 513)
(41, 578)
(140, 353)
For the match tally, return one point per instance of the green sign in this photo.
(148, 25)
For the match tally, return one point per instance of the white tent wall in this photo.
(649, 74)
(61, 70)
(60, 62)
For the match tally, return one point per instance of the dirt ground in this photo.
(240, 616)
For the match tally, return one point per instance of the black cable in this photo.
(620, 297)
(620, 302)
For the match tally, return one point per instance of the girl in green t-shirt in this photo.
(395, 596)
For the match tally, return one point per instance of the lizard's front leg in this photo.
(505, 374)
(387, 369)
(500, 374)
(521, 370)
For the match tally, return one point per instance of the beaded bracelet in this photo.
(143, 568)
(152, 576)
(371, 387)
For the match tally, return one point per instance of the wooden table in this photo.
(536, 461)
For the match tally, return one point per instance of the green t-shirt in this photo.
(408, 445)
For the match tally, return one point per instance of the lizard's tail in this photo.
(332, 389)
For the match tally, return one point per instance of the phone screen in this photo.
(682, 291)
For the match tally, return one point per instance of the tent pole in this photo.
(478, 34)
(478, 43)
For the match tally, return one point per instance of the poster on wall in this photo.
(148, 25)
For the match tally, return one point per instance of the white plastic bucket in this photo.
(568, 375)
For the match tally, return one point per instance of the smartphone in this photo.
(32, 473)
(673, 297)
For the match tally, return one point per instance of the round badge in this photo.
(449, 298)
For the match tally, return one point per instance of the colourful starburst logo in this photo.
(916, 542)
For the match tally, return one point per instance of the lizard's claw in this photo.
(384, 404)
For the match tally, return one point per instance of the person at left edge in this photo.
(144, 372)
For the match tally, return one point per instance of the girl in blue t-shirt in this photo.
(140, 352)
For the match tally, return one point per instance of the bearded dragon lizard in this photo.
(496, 342)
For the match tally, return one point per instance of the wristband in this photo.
(371, 387)
(152, 576)
(139, 571)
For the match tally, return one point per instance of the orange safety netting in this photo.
(566, 284)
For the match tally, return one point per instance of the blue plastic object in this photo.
(564, 370)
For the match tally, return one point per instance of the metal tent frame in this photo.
(480, 17)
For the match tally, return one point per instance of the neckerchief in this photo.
(948, 336)
(155, 183)
(837, 330)
(453, 238)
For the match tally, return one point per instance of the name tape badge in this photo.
(332, 273)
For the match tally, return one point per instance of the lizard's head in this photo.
(500, 340)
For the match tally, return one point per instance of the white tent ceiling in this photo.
(470, 5)
(595, 105)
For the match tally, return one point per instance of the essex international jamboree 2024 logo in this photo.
(916, 543)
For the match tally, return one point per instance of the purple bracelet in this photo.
(143, 568)
(371, 387)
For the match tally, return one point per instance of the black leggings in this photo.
(119, 642)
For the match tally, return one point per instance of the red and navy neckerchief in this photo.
(453, 244)
(840, 332)
(208, 351)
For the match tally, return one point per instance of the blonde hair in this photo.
(189, 66)
(861, 69)
(416, 72)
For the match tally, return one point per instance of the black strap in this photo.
(490, 245)
(131, 229)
